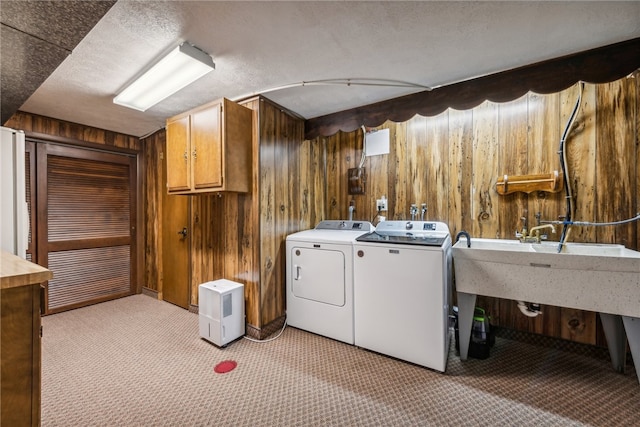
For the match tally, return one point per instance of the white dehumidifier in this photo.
(221, 311)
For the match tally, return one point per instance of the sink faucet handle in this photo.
(525, 224)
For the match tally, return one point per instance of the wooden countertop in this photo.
(15, 272)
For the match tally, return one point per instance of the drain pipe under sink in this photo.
(529, 309)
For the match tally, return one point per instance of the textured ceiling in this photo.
(36, 37)
(261, 46)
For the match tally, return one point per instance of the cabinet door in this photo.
(206, 147)
(178, 156)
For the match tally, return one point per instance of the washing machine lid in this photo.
(333, 231)
(404, 239)
(420, 233)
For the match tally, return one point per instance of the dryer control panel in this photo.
(345, 225)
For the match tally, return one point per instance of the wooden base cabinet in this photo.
(20, 336)
(209, 149)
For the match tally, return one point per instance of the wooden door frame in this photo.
(40, 230)
(30, 147)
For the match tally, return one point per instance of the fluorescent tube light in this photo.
(181, 67)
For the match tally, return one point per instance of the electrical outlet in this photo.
(381, 204)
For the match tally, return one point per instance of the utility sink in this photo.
(595, 277)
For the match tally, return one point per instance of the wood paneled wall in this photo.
(153, 148)
(240, 236)
(83, 135)
(452, 161)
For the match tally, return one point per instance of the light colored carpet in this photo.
(137, 361)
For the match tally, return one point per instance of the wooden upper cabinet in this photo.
(209, 149)
(178, 164)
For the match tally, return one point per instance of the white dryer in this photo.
(320, 278)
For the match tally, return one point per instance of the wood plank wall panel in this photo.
(581, 157)
(615, 166)
(312, 180)
(59, 128)
(637, 136)
(400, 158)
(155, 186)
(280, 133)
(485, 201)
(247, 247)
(207, 233)
(452, 161)
(436, 157)
(460, 170)
(335, 185)
(268, 214)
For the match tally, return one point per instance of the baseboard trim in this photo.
(150, 292)
(266, 331)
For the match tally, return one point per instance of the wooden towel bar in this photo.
(549, 182)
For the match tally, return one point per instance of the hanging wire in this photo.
(270, 339)
(570, 208)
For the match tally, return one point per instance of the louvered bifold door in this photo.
(89, 230)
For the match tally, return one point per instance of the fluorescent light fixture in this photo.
(181, 67)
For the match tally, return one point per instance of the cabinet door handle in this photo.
(183, 232)
(185, 156)
(298, 269)
(195, 154)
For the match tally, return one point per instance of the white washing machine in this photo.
(320, 278)
(402, 291)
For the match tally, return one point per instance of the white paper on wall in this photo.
(378, 142)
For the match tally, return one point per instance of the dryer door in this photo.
(318, 275)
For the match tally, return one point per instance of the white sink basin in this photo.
(596, 277)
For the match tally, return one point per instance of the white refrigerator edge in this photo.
(14, 216)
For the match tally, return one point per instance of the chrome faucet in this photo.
(413, 211)
(352, 209)
(423, 211)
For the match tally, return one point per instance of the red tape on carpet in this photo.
(224, 367)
